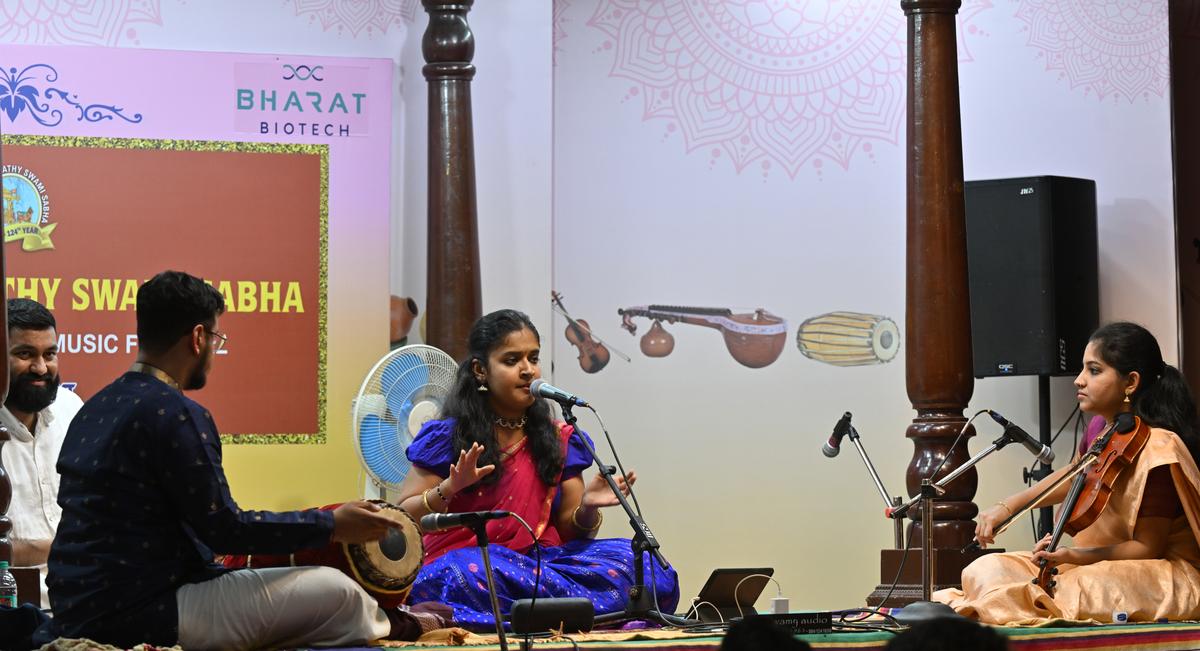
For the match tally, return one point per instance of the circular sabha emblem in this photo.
(25, 199)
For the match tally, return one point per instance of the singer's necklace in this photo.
(511, 424)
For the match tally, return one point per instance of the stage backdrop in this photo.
(729, 212)
(267, 176)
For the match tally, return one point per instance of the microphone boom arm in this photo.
(862, 452)
(940, 485)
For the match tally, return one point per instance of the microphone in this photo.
(543, 389)
(1043, 452)
(438, 521)
(833, 445)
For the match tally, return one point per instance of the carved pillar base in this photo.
(948, 566)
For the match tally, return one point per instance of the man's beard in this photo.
(197, 380)
(25, 397)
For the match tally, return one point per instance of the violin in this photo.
(1092, 479)
(1092, 487)
(593, 355)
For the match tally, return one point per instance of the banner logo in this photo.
(26, 209)
(302, 72)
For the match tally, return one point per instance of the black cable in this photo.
(637, 507)
(953, 445)
(867, 627)
(899, 571)
(537, 552)
(1075, 446)
(1065, 423)
(865, 612)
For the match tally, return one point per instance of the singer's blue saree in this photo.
(599, 570)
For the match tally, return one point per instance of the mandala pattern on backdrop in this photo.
(357, 16)
(75, 22)
(788, 83)
(1110, 48)
(559, 24)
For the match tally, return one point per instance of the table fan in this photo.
(403, 390)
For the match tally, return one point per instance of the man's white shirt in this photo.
(30, 458)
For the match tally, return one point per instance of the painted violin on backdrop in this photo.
(593, 354)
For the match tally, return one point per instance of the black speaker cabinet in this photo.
(1031, 260)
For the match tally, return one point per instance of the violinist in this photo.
(1140, 554)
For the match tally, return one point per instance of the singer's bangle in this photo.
(575, 520)
(1005, 505)
(425, 501)
(441, 495)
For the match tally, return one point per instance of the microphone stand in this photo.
(641, 604)
(481, 539)
(888, 502)
(926, 609)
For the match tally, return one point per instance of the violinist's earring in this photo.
(482, 388)
(1128, 392)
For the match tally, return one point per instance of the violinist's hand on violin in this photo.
(598, 494)
(1056, 557)
(986, 524)
(465, 472)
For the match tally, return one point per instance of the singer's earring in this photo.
(1128, 392)
(482, 388)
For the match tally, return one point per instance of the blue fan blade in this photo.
(400, 378)
(382, 450)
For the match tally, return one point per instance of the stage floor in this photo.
(1157, 637)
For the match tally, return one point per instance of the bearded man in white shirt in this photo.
(36, 415)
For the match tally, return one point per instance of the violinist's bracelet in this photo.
(1005, 505)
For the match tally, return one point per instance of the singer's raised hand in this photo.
(597, 492)
(465, 472)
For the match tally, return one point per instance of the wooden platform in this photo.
(1157, 637)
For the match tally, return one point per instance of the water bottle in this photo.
(8, 586)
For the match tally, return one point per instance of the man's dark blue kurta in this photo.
(145, 505)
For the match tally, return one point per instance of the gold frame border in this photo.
(98, 142)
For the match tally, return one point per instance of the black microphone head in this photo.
(429, 521)
(1126, 422)
(1000, 420)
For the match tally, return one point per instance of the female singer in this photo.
(497, 448)
(1140, 555)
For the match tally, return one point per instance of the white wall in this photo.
(751, 156)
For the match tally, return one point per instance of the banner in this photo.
(223, 171)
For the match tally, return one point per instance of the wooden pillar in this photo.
(1183, 20)
(453, 300)
(938, 317)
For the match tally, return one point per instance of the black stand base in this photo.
(641, 604)
(924, 611)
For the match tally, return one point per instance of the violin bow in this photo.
(1082, 464)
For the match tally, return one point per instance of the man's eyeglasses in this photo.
(219, 339)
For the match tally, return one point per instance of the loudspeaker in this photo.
(566, 614)
(1031, 263)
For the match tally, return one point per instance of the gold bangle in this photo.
(575, 520)
(1005, 505)
(425, 501)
